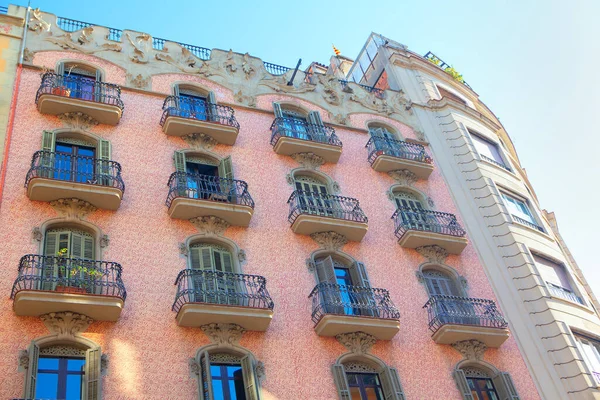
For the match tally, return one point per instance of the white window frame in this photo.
(594, 344)
(573, 288)
(535, 224)
(476, 135)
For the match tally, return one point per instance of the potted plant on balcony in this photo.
(61, 88)
(75, 278)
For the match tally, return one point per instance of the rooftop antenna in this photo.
(291, 82)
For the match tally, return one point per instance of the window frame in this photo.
(572, 289)
(535, 223)
(485, 140)
(595, 347)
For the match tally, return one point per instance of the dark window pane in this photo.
(74, 387)
(48, 363)
(46, 386)
(355, 394)
(372, 394)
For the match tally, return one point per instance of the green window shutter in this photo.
(51, 244)
(250, 381)
(60, 69)
(195, 262)
(76, 245)
(179, 159)
(48, 141)
(341, 381)
(32, 367)
(210, 97)
(325, 271)
(98, 76)
(201, 258)
(88, 248)
(390, 382)
(104, 150)
(206, 392)
(362, 279)
(505, 387)
(104, 156)
(277, 110)
(227, 264)
(207, 258)
(92, 375)
(176, 90)
(314, 117)
(54, 241)
(226, 168)
(462, 384)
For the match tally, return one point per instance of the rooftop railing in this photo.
(223, 288)
(426, 220)
(71, 25)
(440, 63)
(294, 128)
(329, 298)
(325, 205)
(210, 188)
(77, 87)
(73, 168)
(378, 146)
(3, 10)
(202, 53)
(275, 69)
(198, 109)
(445, 310)
(70, 275)
(371, 89)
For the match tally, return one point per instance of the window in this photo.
(227, 376)
(557, 278)
(520, 211)
(204, 178)
(193, 103)
(79, 80)
(364, 68)
(590, 351)
(476, 383)
(487, 150)
(366, 380)
(298, 124)
(63, 372)
(440, 284)
(67, 157)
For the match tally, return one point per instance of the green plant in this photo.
(435, 60)
(454, 74)
(89, 273)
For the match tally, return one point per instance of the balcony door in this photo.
(204, 178)
(385, 141)
(449, 310)
(215, 282)
(314, 198)
(75, 163)
(193, 104)
(80, 81)
(412, 211)
(67, 256)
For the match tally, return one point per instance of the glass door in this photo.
(314, 198)
(295, 125)
(74, 163)
(193, 107)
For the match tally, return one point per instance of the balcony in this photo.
(48, 284)
(192, 195)
(290, 136)
(54, 176)
(415, 228)
(314, 212)
(343, 309)
(563, 293)
(183, 116)
(59, 94)
(389, 154)
(453, 319)
(205, 297)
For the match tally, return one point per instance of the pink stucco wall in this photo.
(148, 351)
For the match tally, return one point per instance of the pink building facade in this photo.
(157, 341)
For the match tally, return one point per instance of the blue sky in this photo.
(532, 62)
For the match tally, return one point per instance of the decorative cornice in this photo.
(308, 160)
(66, 324)
(223, 334)
(329, 240)
(200, 141)
(470, 349)
(210, 224)
(77, 120)
(357, 342)
(403, 177)
(434, 253)
(72, 208)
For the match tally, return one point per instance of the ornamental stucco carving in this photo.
(470, 349)
(66, 324)
(331, 89)
(243, 99)
(23, 359)
(403, 177)
(259, 371)
(104, 362)
(140, 47)
(77, 120)
(242, 256)
(210, 224)
(371, 102)
(308, 160)
(223, 334)
(183, 249)
(247, 67)
(37, 23)
(434, 253)
(72, 208)
(357, 342)
(200, 141)
(28, 55)
(104, 241)
(36, 234)
(329, 240)
(340, 119)
(194, 367)
(81, 44)
(138, 81)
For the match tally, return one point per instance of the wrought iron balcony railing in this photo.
(527, 223)
(558, 291)
(198, 109)
(445, 310)
(72, 168)
(224, 288)
(69, 275)
(406, 219)
(293, 128)
(275, 69)
(371, 89)
(378, 146)
(325, 205)
(330, 298)
(71, 25)
(206, 187)
(77, 87)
